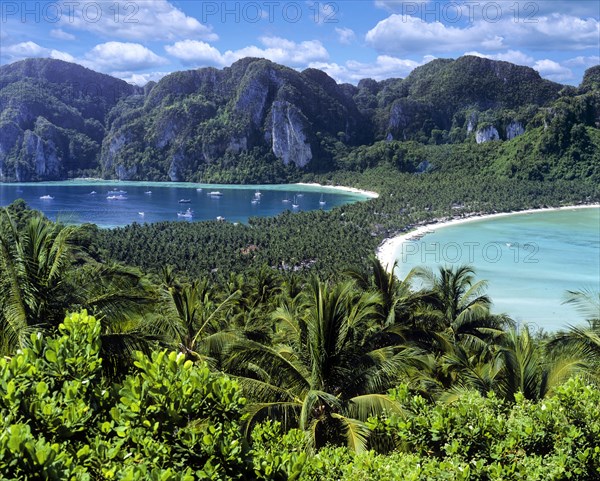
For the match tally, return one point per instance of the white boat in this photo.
(220, 218)
(254, 201)
(142, 214)
(199, 189)
(321, 201)
(258, 194)
(295, 205)
(93, 192)
(116, 197)
(286, 201)
(46, 197)
(148, 192)
(215, 193)
(188, 214)
(185, 201)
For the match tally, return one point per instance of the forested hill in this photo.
(257, 121)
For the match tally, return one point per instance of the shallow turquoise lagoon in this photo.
(530, 260)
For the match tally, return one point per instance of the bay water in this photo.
(529, 260)
(114, 204)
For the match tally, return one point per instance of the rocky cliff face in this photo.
(514, 129)
(288, 139)
(196, 118)
(52, 117)
(487, 134)
(59, 119)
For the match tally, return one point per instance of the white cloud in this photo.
(512, 56)
(57, 54)
(563, 32)
(195, 52)
(140, 79)
(403, 34)
(345, 35)
(146, 20)
(19, 51)
(384, 67)
(61, 34)
(280, 50)
(553, 70)
(582, 61)
(120, 56)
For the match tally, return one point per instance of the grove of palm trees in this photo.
(110, 372)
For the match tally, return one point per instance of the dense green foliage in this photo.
(360, 375)
(168, 420)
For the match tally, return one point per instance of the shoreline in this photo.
(386, 252)
(354, 190)
(95, 180)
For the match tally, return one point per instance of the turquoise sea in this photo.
(530, 260)
(113, 204)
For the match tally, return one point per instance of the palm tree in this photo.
(583, 339)
(322, 375)
(529, 370)
(193, 319)
(398, 301)
(40, 282)
(33, 263)
(455, 309)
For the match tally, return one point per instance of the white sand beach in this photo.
(354, 190)
(386, 252)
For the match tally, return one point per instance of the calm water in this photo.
(75, 201)
(530, 260)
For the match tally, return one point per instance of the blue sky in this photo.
(145, 40)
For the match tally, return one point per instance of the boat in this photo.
(93, 192)
(142, 214)
(148, 192)
(188, 214)
(254, 201)
(116, 197)
(220, 218)
(295, 205)
(286, 201)
(300, 195)
(258, 194)
(321, 201)
(215, 193)
(46, 197)
(199, 189)
(117, 192)
(185, 201)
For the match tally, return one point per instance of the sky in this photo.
(145, 40)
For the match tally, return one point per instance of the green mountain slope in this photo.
(257, 121)
(52, 118)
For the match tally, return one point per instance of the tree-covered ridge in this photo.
(52, 118)
(257, 121)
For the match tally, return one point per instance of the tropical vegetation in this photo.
(110, 372)
(281, 349)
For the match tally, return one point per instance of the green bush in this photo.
(168, 420)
